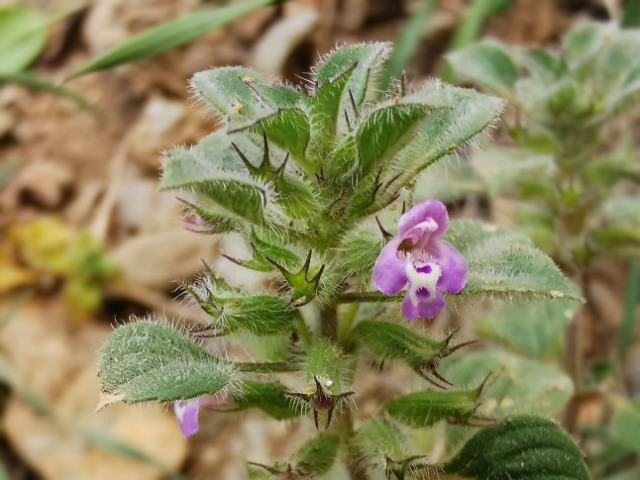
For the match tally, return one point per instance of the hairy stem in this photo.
(364, 297)
(329, 326)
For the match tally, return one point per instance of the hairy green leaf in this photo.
(324, 112)
(248, 101)
(213, 170)
(520, 384)
(232, 309)
(449, 180)
(358, 254)
(266, 396)
(455, 116)
(627, 423)
(384, 132)
(366, 59)
(423, 409)
(504, 170)
(317, 455)
(531, 327)
(503, 263)
(487, 63)
(170, 35)
(541, 64)
(379, 439)
(623, 211)
(582, 44)
(391, 341)
(144, 361)
(521, 448)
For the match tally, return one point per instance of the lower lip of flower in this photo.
(423, 279)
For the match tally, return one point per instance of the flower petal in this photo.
(426, 308)
(187, 414)
(454, 268)
(421, 212)
(389, 271)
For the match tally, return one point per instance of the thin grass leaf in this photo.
(407, 42)
(35, 82)
(170, 35)
(23, 34)
(631, 298)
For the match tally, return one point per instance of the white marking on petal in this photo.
(421, 280)
(180, 407)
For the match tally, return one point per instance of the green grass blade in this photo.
(23, 35)
(631, 298)
(407, 42)
(35, 82)
(170, 35)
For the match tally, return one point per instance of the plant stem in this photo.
(303, 329)
(348, 319)
(364, 297)
(329, 325)
(267, 367)
(631, 298)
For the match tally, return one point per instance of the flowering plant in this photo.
(567, 176)
(308, 178)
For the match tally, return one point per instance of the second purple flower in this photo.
(418, 257)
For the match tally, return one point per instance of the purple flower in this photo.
(417, 256)
(187, 414)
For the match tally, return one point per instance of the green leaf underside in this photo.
(145, 361)
(318, 455)
(258, 314)
(521, 448)
(246, 98)
(359, 253)
(170, 35)
(529, 327)
(487, 63)
(385, 131)
(221, 179)
(455, 116)
(367, 60)
(289, 129)
(518, 384)
(504, 169)
(423, 409)
(324, 110)
(379, 439)
(391, 341)
(504, 263)
(23, 35)
(627, 423)
(267, 396)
